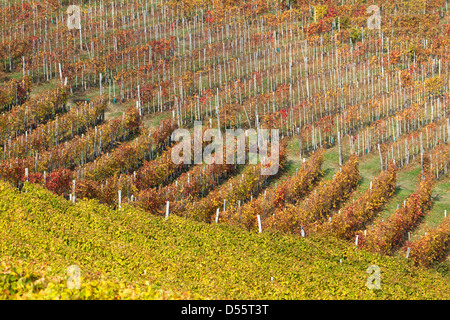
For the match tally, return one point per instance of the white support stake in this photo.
(100, 80)
(60, 72)
(407, 252)
(259, 223)
(167, 210)
(217, 215)
(73, 190)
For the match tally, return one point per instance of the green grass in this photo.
(155, 119)
(47, 234)
(330, 163)
(15, 75)
(441, 202)
(293, 161)
(369, 167)
(433, 217)
(406, 185)
(115, 114)
(45, 86)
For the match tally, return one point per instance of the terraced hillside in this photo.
(358, 94)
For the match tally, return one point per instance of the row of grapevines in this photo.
(106, 191)
(162, 169)
(427, 137)
(440, 159)
(151, 174)
(157, 172)
(130, 155)
(77, 151)
(297, 187)
(326, 196)
(12, 51)
(384, 236)
(290, 191)
(432, 246)
(63, 128)
(148, 180)
(354, 216)
(35, 111)
(15, 92)
(189, 187)
(240, 188)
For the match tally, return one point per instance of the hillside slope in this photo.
(130, 254)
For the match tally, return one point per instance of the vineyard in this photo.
(354, 95)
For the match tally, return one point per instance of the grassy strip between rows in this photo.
(131, 254)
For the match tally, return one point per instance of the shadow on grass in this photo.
(396, 191)
(328, 173)
(361, 181)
